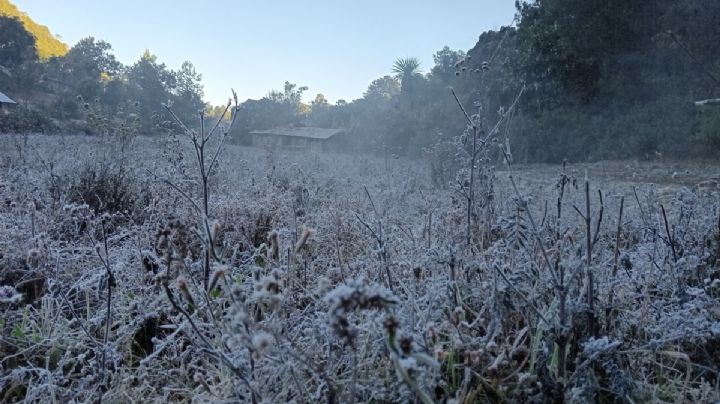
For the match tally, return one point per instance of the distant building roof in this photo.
(712, 101)
(300, 131)
(4, 99)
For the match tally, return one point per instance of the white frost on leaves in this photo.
(409, 364)
(261, 341)
(9, 295)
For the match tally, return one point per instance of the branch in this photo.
(178, 190)
(217, 123)
(179, 121)
(470, 122)
(502, 118)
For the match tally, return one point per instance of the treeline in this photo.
(617, 78)
(59, 91)
(598, 79)
(602, 79)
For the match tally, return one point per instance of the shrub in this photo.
(23, 120)
(107, 188)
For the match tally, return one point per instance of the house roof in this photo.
(300, 131)
(712, 101)
(4, 99)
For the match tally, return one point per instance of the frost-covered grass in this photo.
(347, 278)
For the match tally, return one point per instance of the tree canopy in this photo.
(16, 44)
(46, 43)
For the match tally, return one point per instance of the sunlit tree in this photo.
(16, 44)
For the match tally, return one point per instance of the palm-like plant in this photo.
(405, 69)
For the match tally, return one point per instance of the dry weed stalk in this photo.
(206, 164)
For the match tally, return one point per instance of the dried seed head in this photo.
(181, 283)
(274, 245)
(149, 262)
(261, 341)
(161, 278)
(34, 258)
(269, 288)
(406, 344)
(354, 296)
(277, 274)
(391, 325)
(200, 379)
(323, 286)
(219, 273)
(183, 286)
(458, 315)
(9, 295)
(215, 231)
(430, 332)
(306, 234)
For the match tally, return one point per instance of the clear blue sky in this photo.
(335, 47)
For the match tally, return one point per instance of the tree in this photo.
(445, 60)
(86, 68)
(278, 108)
(291, 94)
(151, 84)
(384, 88)
(188, 81)
(321, 112)
(188, 91)
(319, 102)
(287, 105)
(574, 43)
(17, 45)
(406, 70)
(91, 58)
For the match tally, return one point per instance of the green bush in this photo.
(20, 119)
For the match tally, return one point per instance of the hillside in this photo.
(47, 44)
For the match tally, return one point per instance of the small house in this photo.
(4, 101)
(304, 138)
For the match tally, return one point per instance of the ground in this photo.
(341, 278)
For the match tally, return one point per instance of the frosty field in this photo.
(349, 278)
